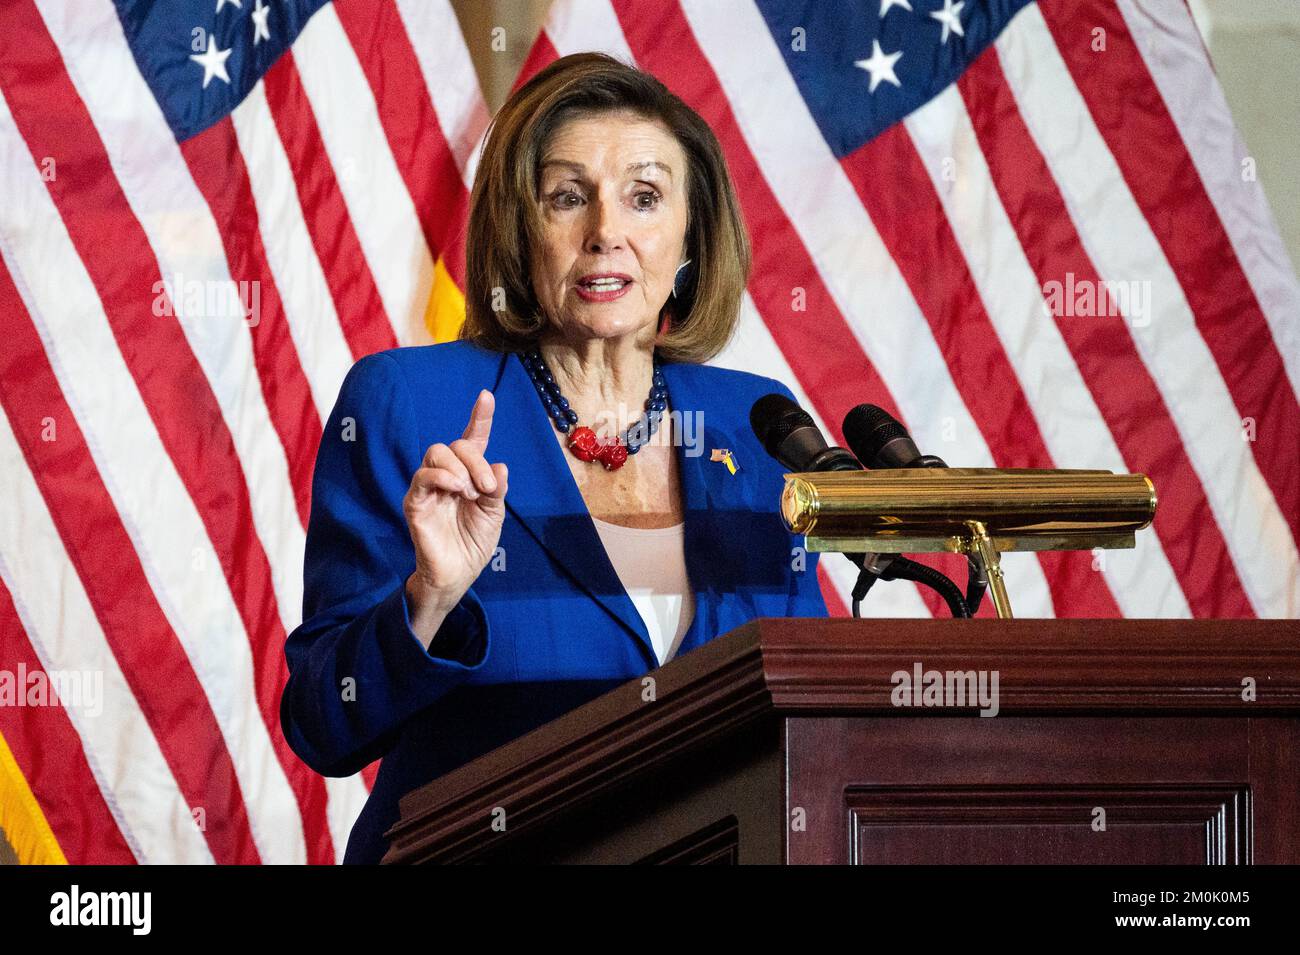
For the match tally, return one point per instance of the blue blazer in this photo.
(547, 625)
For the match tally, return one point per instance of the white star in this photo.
(887, 5)
(213, 62)
(948, 17)
(222, 3)
(260, 29)
(880, 66)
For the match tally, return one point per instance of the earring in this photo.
(677, 282)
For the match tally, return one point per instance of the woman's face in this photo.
(613, 201)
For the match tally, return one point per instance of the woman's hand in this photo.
(454, 510)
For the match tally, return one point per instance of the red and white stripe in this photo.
(1072, 427)
(159, 539)
(1197, 107)
(138, 783)
(1184, 353)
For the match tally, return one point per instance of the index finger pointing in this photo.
(480, 419)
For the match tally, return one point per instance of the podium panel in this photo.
(790, 741)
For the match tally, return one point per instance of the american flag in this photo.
(1028, 230)
(1031, 232)
(210, 210)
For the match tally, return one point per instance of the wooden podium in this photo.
(1115, 741)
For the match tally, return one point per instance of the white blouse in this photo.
(651, 563)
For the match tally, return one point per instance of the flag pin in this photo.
(724, 455)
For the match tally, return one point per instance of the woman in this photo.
(452, 604)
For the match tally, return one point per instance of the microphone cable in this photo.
(789, 434)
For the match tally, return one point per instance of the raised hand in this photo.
(454, 510)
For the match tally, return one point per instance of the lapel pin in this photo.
(725, 455)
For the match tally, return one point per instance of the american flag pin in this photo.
(724, 455)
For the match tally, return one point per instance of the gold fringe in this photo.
(445, 312)
(21, 818)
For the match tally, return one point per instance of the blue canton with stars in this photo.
(867, 64)
(201, 57)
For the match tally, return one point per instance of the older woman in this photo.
(505, 526)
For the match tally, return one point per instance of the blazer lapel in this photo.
(709, 489)
(683, 399)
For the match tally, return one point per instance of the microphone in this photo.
(880, 440)
(789, 434)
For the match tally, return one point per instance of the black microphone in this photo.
(880, 440)
(789, 434)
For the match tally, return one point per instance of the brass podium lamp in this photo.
(977, 512)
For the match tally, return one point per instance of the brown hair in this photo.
(505, 222)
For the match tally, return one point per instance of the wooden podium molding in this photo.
(779, 743)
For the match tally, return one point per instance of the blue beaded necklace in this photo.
(583, 442)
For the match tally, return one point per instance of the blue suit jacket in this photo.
(547, 625)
